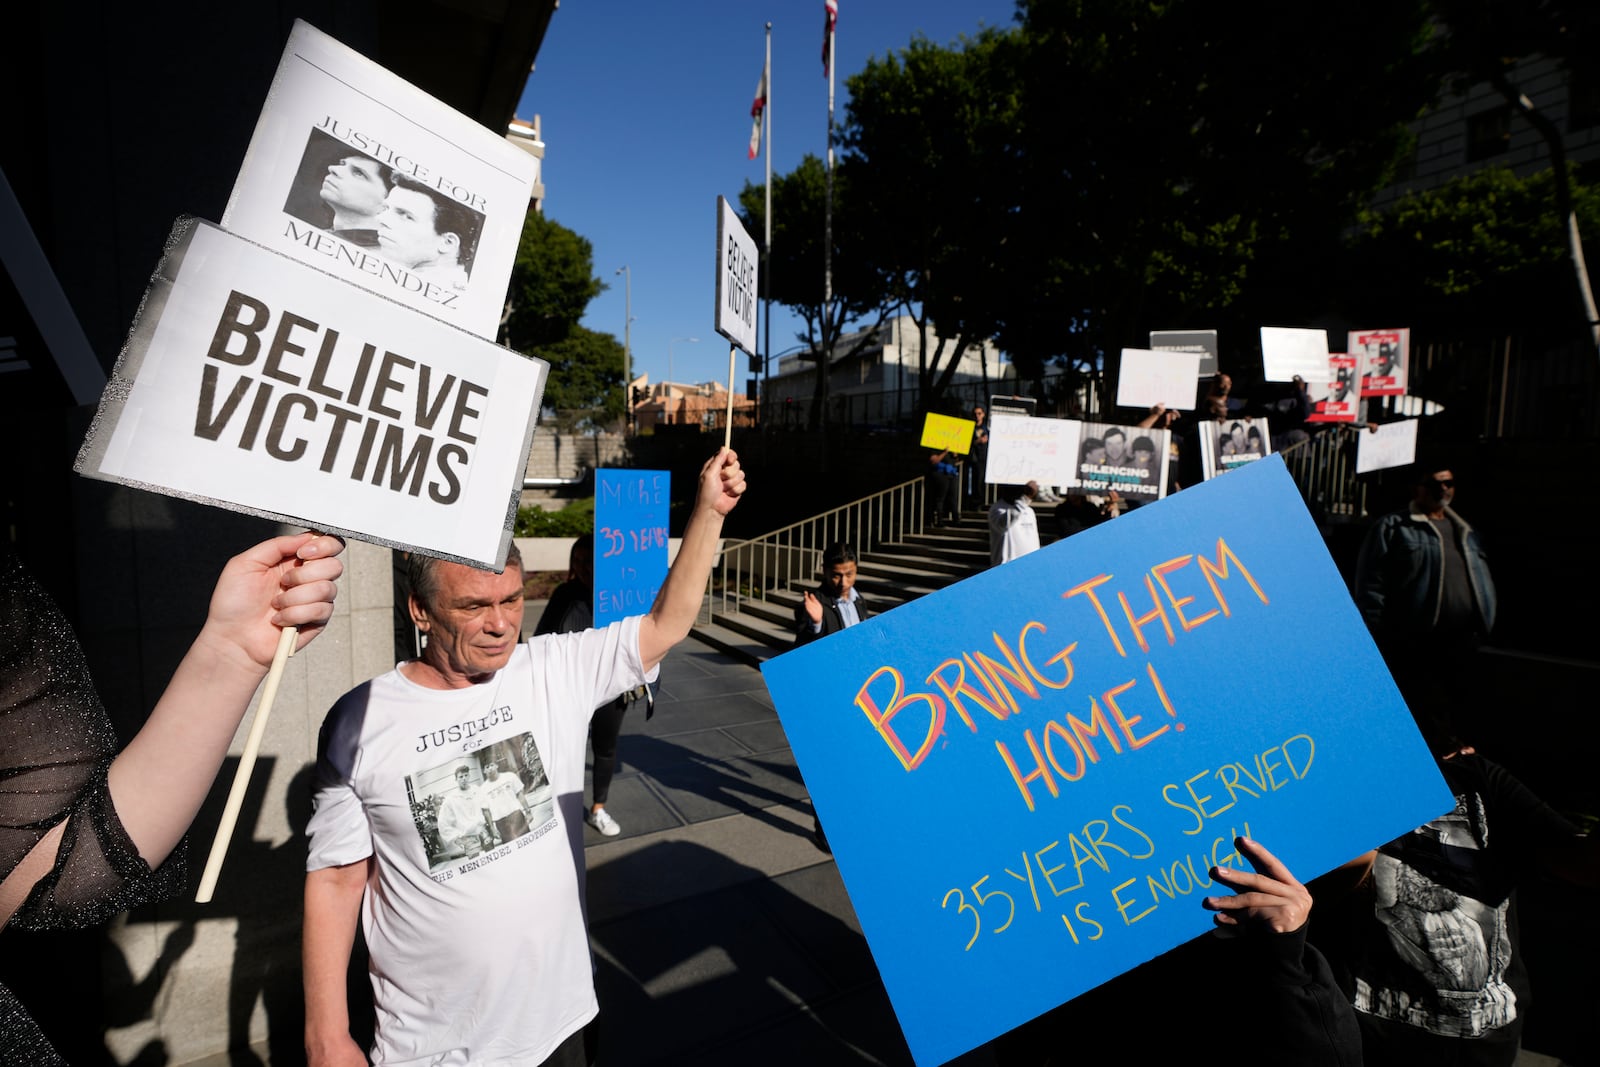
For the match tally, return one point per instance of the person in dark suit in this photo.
(836, 604)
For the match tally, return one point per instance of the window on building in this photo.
(1583, 99)
(1488, 134)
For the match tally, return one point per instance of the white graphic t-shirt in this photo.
(478, 943)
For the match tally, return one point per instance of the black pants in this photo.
(604, 727)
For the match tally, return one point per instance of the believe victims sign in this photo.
(1070, 743)
(254, 383)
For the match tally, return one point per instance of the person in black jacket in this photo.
(836, 604)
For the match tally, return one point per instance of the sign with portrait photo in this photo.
(1072, 742)
(1229, 443)
(1383, 357)
(1335, 394)
(356, 172)
(252, 382)
(1130, 459)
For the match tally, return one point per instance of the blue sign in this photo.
(630, 541)
(1026, 777)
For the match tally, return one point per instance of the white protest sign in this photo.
(1024, 449)
(357, 172)
(1287, 351)
(736, 280)
(1393, 444)
(257, 384)
(1149, 378)
(1201, 342)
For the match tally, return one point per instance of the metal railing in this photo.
(1324, 467)
(752, 568)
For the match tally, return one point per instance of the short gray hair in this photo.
(422, 574)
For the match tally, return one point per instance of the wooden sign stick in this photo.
(727, 429)
(247, 762)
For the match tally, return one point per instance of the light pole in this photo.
(627, 332)
(675, 340)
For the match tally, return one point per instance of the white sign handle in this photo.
(247, 762)
(727, 427)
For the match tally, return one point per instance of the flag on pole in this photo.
(757, 111)
(832, 7)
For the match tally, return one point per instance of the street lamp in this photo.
(675, 340)
(627, 331)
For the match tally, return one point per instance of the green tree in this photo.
(552, 282)
(927, 133)
(1472, 250)
(794, 268)
(586, 372)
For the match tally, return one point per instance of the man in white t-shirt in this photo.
(1013, 527)
(477, 691)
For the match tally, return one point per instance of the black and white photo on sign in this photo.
(1130, 459)
(368, 204)
(336, 129)
(1382, 358)
(1336, 395)
(480, 800)
(252, 382)
(1229, 443)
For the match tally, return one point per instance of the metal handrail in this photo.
(753, 567)
(1324, 467)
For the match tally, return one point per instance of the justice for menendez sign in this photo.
(254, 383)
(1065, 745)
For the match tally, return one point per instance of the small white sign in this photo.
(254, 383)
(1149, 378)
(1287, 351)
(1393, 444)
(736, 279)
(1025, 449)
(356, 172)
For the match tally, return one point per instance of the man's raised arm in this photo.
(672, 615)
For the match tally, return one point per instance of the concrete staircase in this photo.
(893, 575)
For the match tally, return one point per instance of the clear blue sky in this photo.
(645, 112)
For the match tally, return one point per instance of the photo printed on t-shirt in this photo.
(477, 807)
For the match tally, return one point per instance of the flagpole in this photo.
(827, 253)
(766, 303)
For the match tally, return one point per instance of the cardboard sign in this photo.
(257, 384)
(736, 279)
(1383, 358)
(1202, 342)
(1393, 444)
(1130, 459)
(1288, 351)
(1070, 742)
(358, 173)
(630, 541)
(1150, 378)
(1335, 394)
(1229, 443)
(1025, 449)
(947, 431)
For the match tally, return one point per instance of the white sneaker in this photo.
(601, 820)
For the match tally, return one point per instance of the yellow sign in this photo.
(947, 431)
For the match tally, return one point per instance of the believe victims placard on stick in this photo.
(1149, 378)
(359, 173)
(736, 280)
(630, 540)
(1070, 742)
(257, 384)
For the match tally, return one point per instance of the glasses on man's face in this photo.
(1445, 483)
